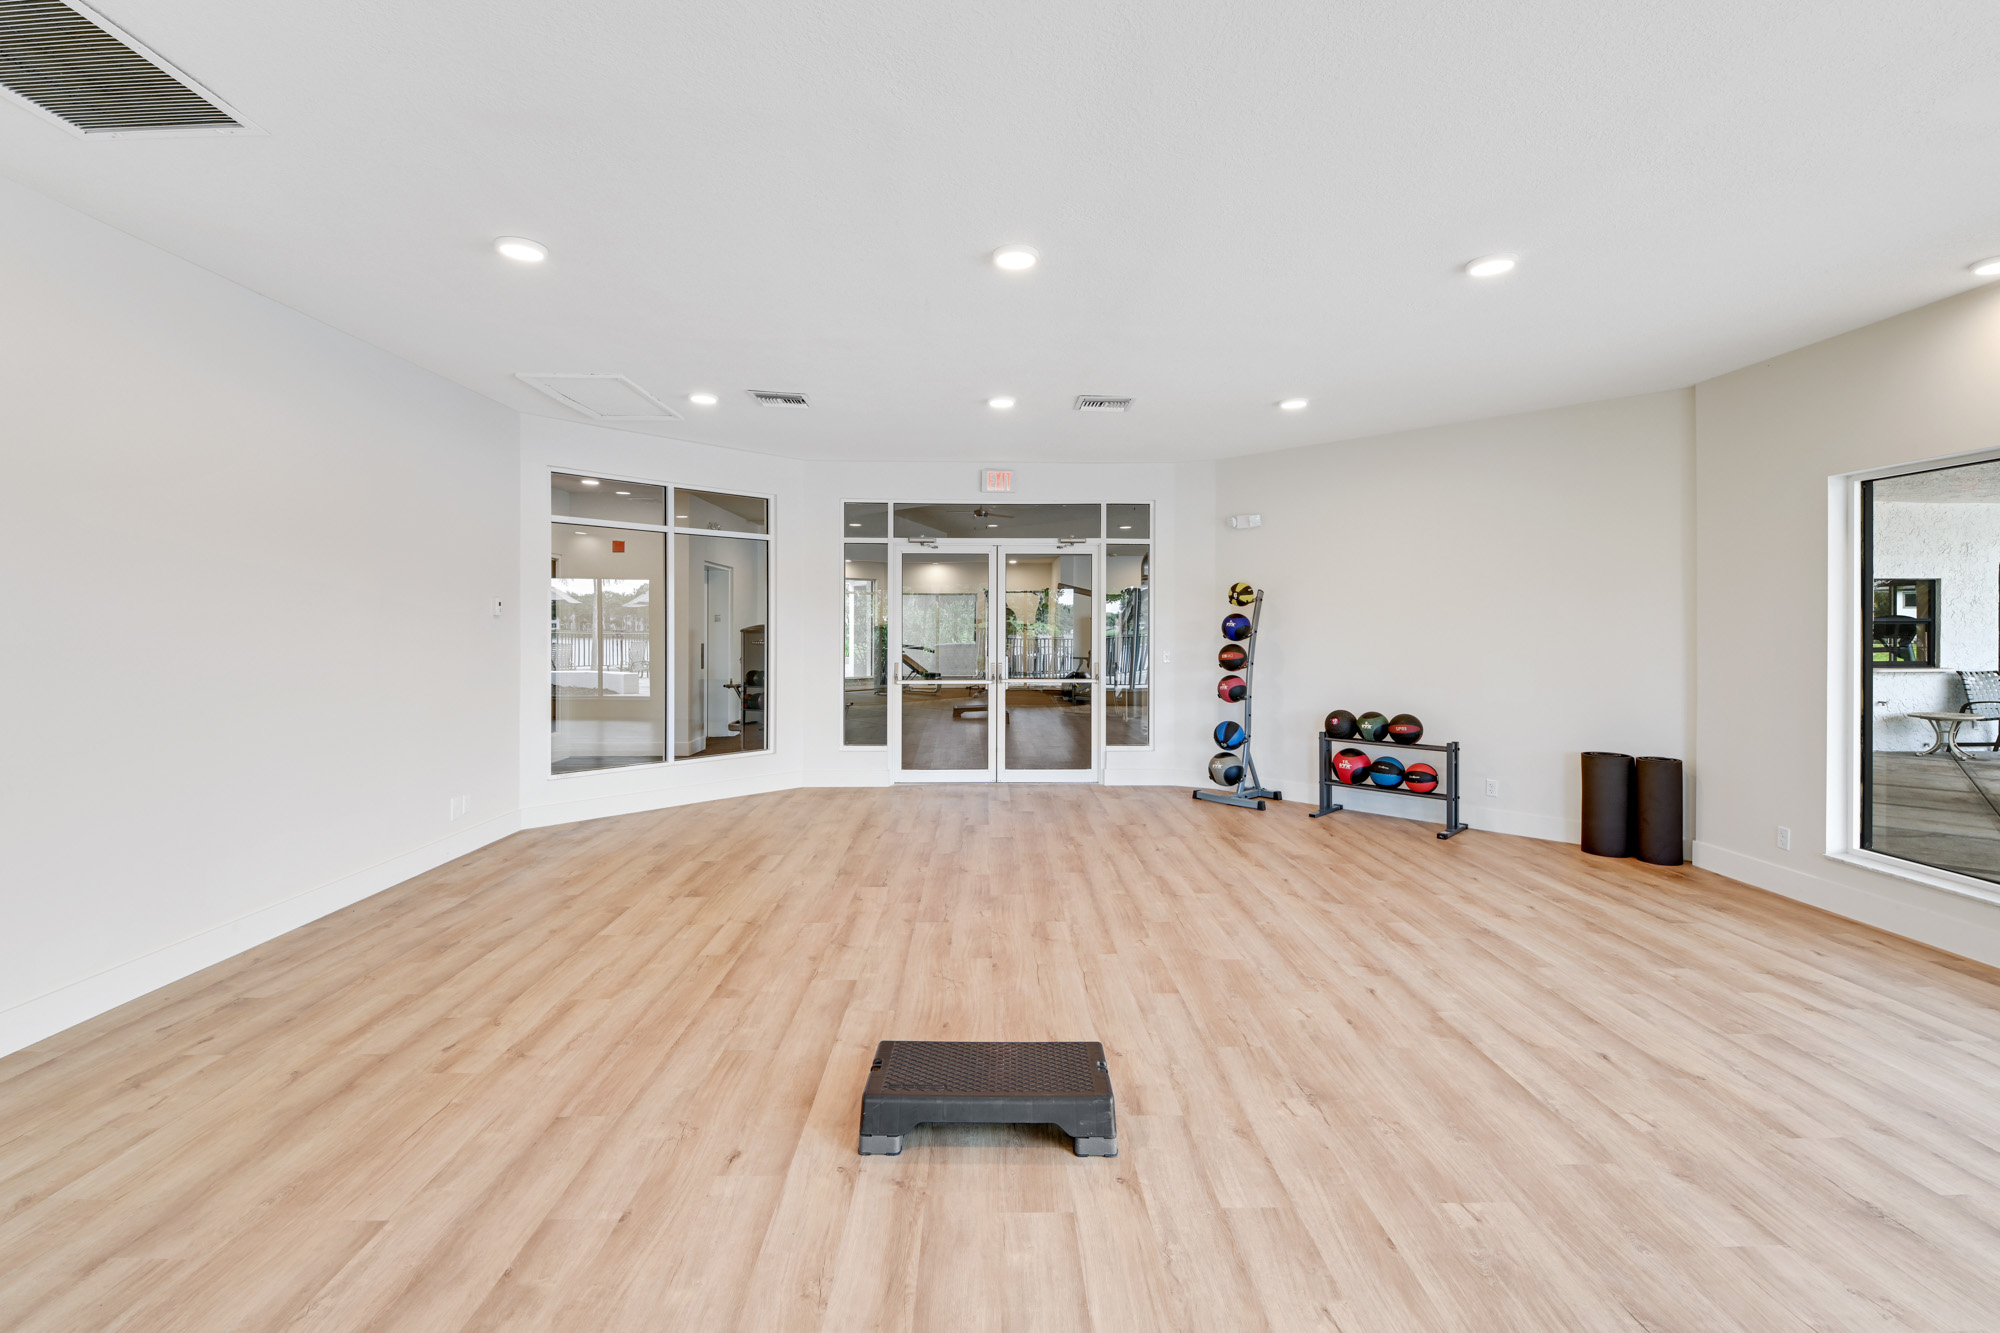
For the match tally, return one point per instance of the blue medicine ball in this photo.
(1386, 772)
(1229, 735)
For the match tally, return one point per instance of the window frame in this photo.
(669, 531)
(889, 540)
(1849, 693)
(1934, 620)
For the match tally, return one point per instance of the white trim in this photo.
(79, 1001)
(611, 523)
(548, 814)
(1948, 881)
(1938, 926)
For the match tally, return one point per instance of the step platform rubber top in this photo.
(1061, 1083)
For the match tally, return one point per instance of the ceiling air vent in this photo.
(599, 397)
(65, 62)
(779, 398)
(1090, 402)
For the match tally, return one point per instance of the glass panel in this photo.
(867, 518)
(942, 660)
(944, 616)
(1127, 662)
(1129, 522)
(607, 635)
(997, 518)
(582, 496)
(1931, 659)
(944, 727)
(865, 691)
(1048, 725)
(718, 512)
(721, 609)
(1051, 615)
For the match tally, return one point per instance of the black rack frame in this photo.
(1249, 793)
(1453, 826)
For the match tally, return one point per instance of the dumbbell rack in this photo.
(1249, 792)
(1327, 782)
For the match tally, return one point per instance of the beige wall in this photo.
(1520, 584)
(1920, 386)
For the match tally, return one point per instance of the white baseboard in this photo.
(45, 1015)
(1951, 922)
(640, 800)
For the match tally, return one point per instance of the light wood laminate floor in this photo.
(607, 1077)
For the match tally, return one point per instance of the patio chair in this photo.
(1982, 697)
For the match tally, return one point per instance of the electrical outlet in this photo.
(498, 606)
(1492, 786)
(1784, 838)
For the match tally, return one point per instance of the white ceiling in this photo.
(1234, 203)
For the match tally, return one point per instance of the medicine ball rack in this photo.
(1249, 793)
(1327, 782)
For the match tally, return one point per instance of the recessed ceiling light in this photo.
(1124, 527)
(521, 250)
(621, 492)
(992, 525)
(1013, 562)
(590, 481)
(1492, 266)
(1002, 403)
(1987, 268)
(702, 399)
(680, 516)
(1293, 404)
(1015, 258)
(581, 533)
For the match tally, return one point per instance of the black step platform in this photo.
(1060, 1083)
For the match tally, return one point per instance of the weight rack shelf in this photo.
(1327, 782)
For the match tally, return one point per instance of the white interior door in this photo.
(717, 653)
(941, 662)
(1051, 714)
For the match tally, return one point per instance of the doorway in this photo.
(991, 652)
(718, 599)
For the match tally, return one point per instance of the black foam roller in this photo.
(1607, 803)
(1659, 801)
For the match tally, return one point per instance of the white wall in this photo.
(251, 657)
(1522, 585)
(1957, 544)
(1919, 386)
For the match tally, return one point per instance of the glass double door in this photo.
(992, 654)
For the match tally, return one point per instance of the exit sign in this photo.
(995, 480)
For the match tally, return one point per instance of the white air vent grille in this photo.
(69, 64)
(599, 397)
(779, 398)
(1090, 402)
